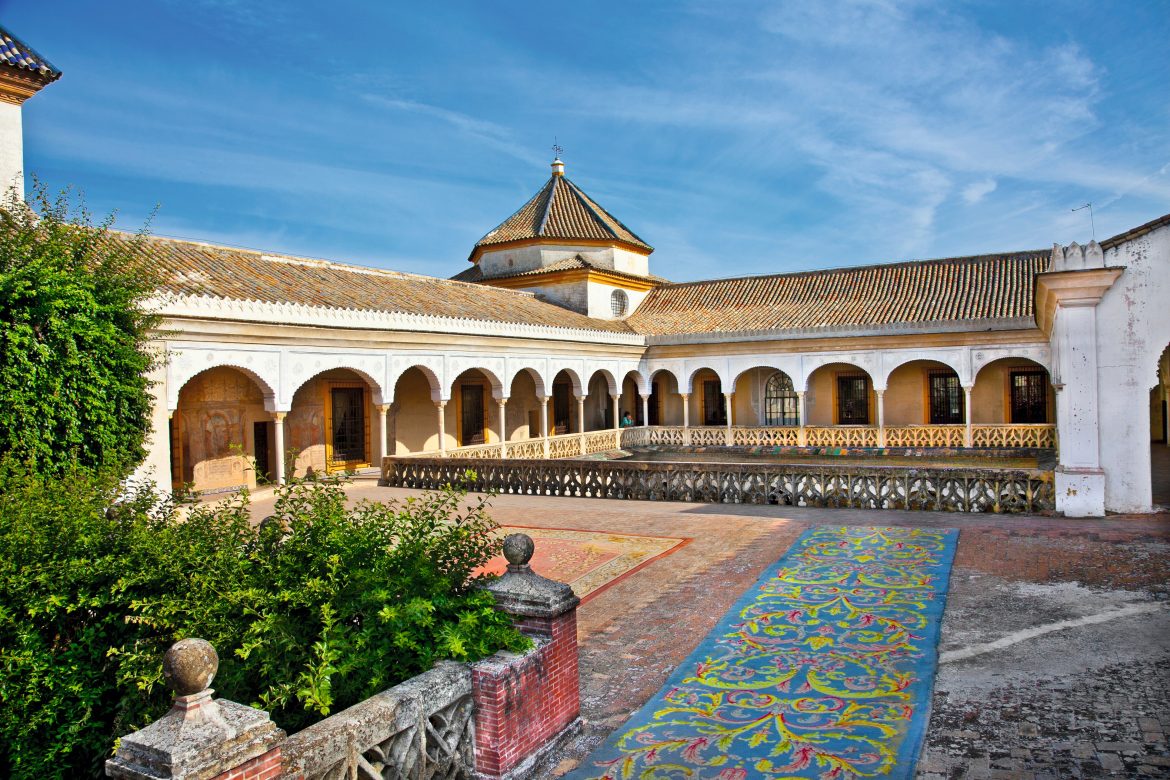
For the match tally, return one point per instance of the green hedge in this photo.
(317, 608)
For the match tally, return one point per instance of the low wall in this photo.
(848, 485)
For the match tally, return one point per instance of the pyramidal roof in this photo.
(561, 211)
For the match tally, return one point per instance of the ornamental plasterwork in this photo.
(184, 362)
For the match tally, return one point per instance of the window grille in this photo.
(780, 401)
(619, 302)
(349, 424)
(1029, 396)
(853, 400)
(946, 398)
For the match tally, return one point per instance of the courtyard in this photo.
(1054, 654)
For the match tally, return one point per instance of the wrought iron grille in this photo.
(946, 398)
(349, 424)
(780, 401)
(1029, 396)
(852, 400)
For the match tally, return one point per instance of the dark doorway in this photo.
(471, 423)
(946, 399)
(654, 403)
(349, 424)
(560, 408)
(714, 410)
(260, 442)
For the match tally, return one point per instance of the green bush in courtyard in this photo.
(316, 609)
(74, 349)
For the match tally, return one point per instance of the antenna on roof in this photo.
(1092, 223)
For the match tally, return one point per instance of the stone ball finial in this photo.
(190, 666)
(518, 549)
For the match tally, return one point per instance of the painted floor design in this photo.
(823, 669)
(589, 561)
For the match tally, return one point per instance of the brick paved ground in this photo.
(1089, 700)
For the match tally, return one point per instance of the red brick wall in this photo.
(521, 706)
(264, 767)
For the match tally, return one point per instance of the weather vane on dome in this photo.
(557, 148)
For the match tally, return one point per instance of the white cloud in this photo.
(977, 191)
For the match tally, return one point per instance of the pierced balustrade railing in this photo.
(709, 436)
(749, 436)
(419, 730)
(925, 435)
(1021, 436)
(859, 486)
(841, 436)
(602, 441)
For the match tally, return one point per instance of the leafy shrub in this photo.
(74, 352)
(317, 608)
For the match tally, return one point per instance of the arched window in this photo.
(780, 401)
(619, 303)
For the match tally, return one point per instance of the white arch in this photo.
(610, 380)
(691, 372)
(669, 372)
(641, 382)
(978, 365)
(574, 378)
(262, 366)
(432, 380)
(902, 360)
(492, 377)
(771, 366)
(299, 380)
(815, 363)
(537, 380)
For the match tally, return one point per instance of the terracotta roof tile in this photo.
(561, 210)
(968, 288)
(195, 268)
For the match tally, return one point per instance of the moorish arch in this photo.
(765, 395)
(665, 404)
(924, 392)
(522, 414)
(599, 407)
(840, 393)
(1013, 390)
(633, 389)
(334, 423)
(473, 415)
(414, 415)
(221, 431)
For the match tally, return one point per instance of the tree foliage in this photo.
(311, 611)
(74, 352)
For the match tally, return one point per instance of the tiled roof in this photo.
(475, 273)
(957, 289)
(193, 268)
(17, 54)
(561, 210)
(1136, 232)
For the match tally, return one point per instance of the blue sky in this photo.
(736, 138)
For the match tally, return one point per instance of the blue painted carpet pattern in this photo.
(823, 669)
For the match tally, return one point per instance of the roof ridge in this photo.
(621, 224)
(552, 193)
(866, 267)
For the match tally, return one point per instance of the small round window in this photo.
(619, 303)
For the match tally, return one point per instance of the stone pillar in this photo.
(617, 411)
(503, 403)
(727, 413)
(881, 409)
(544, 423)
(383, 430)
(1080, 481)
(278, 445)
(686, 399)
(646, 411)
(442, 407)
(200, 738)
(581, 420)
(968, 412)
(527, 705)
(801, 415)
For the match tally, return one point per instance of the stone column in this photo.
(201, 738)
(503, 403)
(646, 410)
(968, 412)
(278, 444)
(617, 400)
(383, 430)
(801, 414)
(881, 409)
(1080, 481)
(544, 423)
(442, 407)
(686, 399)
(527, 704)
(727, 413)
(581, 420)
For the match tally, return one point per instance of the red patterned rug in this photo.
(589, 561)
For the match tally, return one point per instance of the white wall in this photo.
(512, 260)
(1133, 328)
(11, 149)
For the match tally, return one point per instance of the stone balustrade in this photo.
(495, 719)
(851, 484)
